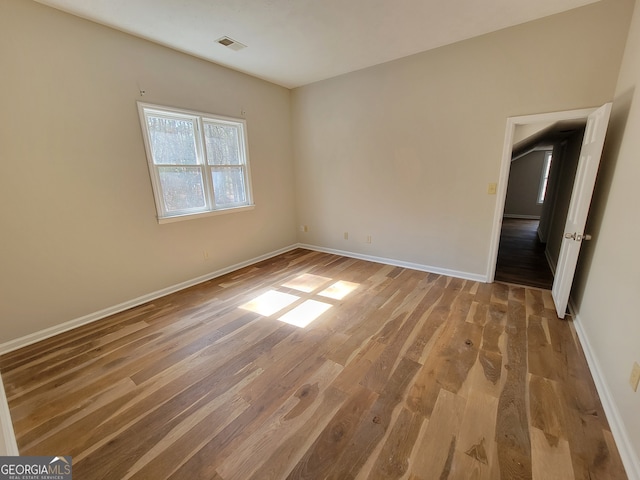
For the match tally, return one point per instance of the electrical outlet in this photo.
(368, 238)
(635, 376)
(346, 235)
(492, 188)
(205, 254)
(304, 228)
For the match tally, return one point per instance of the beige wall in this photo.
(404, 151)
(401, 151)
(79, 232)
(525, 175)
(524, 132)
(608, 281)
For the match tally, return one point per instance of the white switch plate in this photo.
(635, 376)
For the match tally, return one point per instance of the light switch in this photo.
(635, 376)
(492, 188)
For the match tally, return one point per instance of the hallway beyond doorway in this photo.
(521, 258)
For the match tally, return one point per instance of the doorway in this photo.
(543, 168)
(521, 253)
(526, 244)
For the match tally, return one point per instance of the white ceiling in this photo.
(296, 42)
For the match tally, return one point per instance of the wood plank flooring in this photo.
(404, 374)
(521, 258)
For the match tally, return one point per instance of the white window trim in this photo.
(199, 118)
(210, 213)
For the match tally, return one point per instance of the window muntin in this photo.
(198, 162)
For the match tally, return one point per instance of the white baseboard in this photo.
(399, 263)
(8, 445)
(7, 433)
(92, 317)
(522, 217)
(625, 447)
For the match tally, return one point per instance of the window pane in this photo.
(222, 144)
(172, 141)
(228, 186)
(181, 188)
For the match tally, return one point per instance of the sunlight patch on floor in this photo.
(305, 313)
(269, 303)
(339, 290)
(304, 309)
(306, 282)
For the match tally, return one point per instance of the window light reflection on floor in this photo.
(273, 302)
(306, 282)
(269, 303)
(305, 313)
(339, 290)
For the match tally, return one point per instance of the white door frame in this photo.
(503, 179)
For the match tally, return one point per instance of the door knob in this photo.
(576, 237)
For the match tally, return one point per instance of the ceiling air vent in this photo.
(231, 43)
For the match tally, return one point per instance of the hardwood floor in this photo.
(521, 258)
(406, 375)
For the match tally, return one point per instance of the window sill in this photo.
(193, 216)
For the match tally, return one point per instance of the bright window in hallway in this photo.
(544, 179)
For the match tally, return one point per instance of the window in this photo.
(544, 180)
(198, 162)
